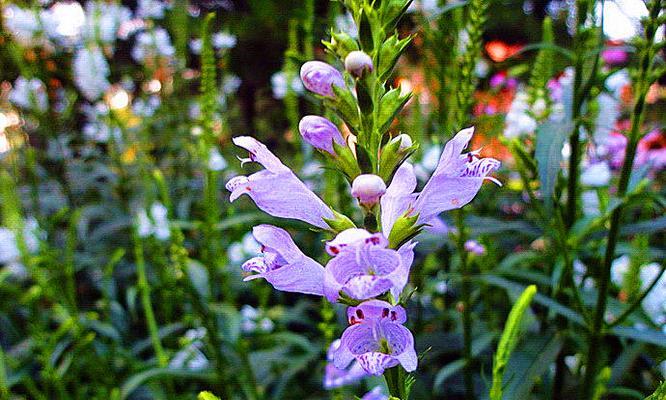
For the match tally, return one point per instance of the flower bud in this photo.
(475, 247)
(405, 141)
(320, 132)
(368, 188)
(319, 77)
(358, 63)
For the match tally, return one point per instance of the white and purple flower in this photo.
(376, 339)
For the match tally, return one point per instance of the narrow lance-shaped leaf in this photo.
(509, 340)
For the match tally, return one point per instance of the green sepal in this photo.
(389, 53)
(389, 106)
(207, 396)
(345, 161)
(340, 223)
(346, 107)
(392, 157)
(341, 44)
(404, 229)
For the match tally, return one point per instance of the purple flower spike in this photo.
(475, 247)
(365, 268)
(335, 377)
(455, 182)
(377, 340)
(283, 264)
(320, 132)
(352, 236)
(319, 77)
(276, 190)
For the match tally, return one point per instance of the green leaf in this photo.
(509, 340)
(659, 394)
(389, 106)
(198, 275)
(478, 345)
(340, 222)
(136, 380)
(642, 335)
(550, 137)
(207, 396)
(389, 53)
(529, 362)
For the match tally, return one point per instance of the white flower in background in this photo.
(10, 255)
(425, 6)
(345, 23)
(481, 68)
(146, 107)
(156, 223)
(196, 45)
(191, 357)
(280, 85)
(151, 9)
(29, 94)
(91, 72)
(24, 25)
(251, 320)
(215, 161)
(591, 203)
(518, 121)
(248, 247)
(224, 41)
(101, 132)
(152, 44)
(616, 82)
(596, 174)
(609, 112)
(64, 22)
(103, 20)
(230, 84)
(654, 303)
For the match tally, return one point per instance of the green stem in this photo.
(596, 333)
(4, 384)
(144, 290)
(466, 294)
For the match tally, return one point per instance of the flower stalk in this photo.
(642, 85)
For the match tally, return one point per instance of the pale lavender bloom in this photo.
(364, 267)
(280, 85)
(376, 339)
(152, 44)
(283, 264)
(91, 72)
(335, 377)
(475, 247)
(224, 40)
(29, 94)
(319, 77)
(276, 189)
(103, 20)
(151, 9)
(320, 132)
(358, 63)
(375, 394)
(455, 182)
(23, 24)
(368, 189)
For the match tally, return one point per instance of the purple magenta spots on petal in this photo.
(375, 363)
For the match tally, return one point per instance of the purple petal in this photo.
(366, 286)
(400, 276)
(335, 377)
(374, 310)
(398, 197)
(356, 339)
(375, 363)
(284, 265)
(355, 236)
(456, 180)
(276, 190)
(401, 343)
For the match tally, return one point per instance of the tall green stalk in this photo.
(144, 292)
(642, 85)
(4, 384)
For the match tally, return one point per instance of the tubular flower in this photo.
(283, 264)
(363, 266)
(319, 77)
(455, 182)
(276, 190)
(320, 133)
(376, 339)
